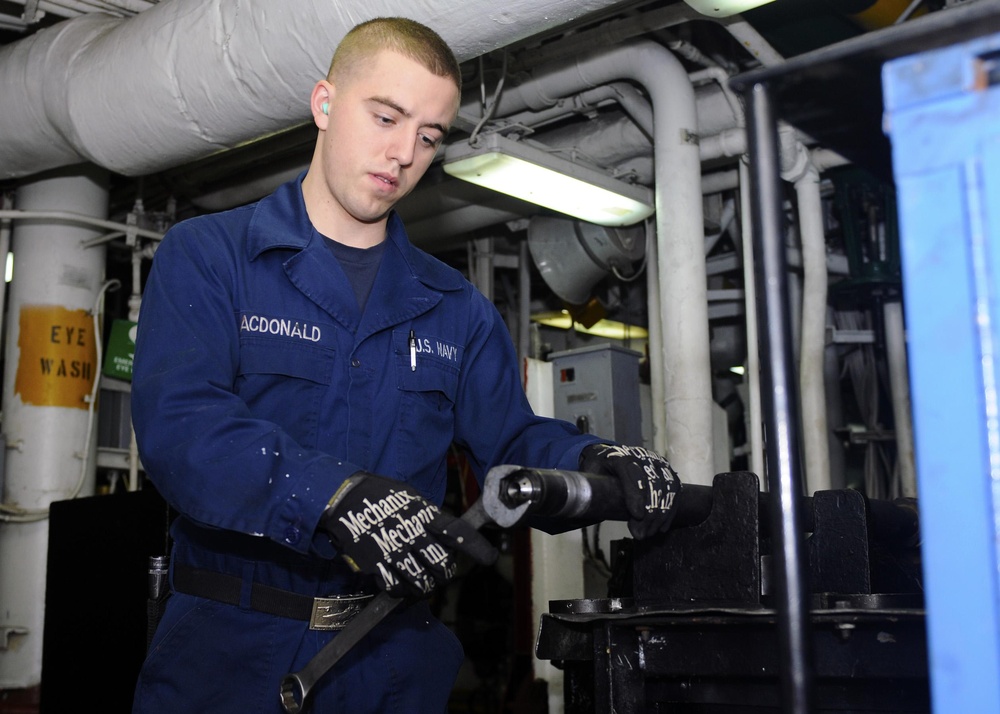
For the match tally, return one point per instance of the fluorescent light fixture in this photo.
(609, 329)
(524, 171)
(724, 8)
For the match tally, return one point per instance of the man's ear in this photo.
(319, 103)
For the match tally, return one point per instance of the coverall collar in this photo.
(409, 281)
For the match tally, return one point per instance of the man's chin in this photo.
(369, 218)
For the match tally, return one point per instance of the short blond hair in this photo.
(399, 34)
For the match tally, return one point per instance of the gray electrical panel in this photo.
(597, 388)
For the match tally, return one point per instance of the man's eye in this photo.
(429, 141)
(383, 119)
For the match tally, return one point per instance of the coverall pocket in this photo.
(285, 382)
(425, 421)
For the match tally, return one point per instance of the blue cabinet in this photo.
(942, 115)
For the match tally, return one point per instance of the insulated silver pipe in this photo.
(188, 78)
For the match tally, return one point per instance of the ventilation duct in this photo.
(573, 256)
(188, 78)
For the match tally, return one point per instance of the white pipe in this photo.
(621, 93)
(9, 22)
(726, 144)
(187, 78)
(71, 8)
(50, 369)
(798, 168)
(802, 167)
(720, 181)
(6, 204)
(684, 360)
(755, 436)
(641, 23)
(899, 383)
(751, 40)
(73, 217)
(655, 321)
(523, 302)
(481, 265)
(56, 9)
(139, 254)
(813, 340)
(721, 78)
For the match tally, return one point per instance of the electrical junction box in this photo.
(121, 350)
(597, 388)
(941, 110)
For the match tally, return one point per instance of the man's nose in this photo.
(401, 148)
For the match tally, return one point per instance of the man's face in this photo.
(385, 123)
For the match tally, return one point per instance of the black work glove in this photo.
(384, 527)
(649, 483)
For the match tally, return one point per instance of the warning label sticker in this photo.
(58, 356)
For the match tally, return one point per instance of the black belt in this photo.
(322, 613)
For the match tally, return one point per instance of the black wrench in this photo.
(296, 687)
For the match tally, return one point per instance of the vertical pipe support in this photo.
(812, 345)
(779, 400)
(899, 384)
(50, 368)
(756, 424)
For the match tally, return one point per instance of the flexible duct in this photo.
(683, 364)
(187, 78)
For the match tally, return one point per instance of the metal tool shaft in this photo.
(512, 493)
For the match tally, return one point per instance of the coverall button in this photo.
(355, 362)
(292, 535)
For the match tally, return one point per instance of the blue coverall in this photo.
(258, 387)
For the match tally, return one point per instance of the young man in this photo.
(301, 371)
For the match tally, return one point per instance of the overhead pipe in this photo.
(621, 93)
(429, 201)
(15, 24)
(815, 262)
(632, 145)
(187, 78)
(637, 24)
(684, 361)
(434, 217)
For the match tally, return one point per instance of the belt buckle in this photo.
(333, 613)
